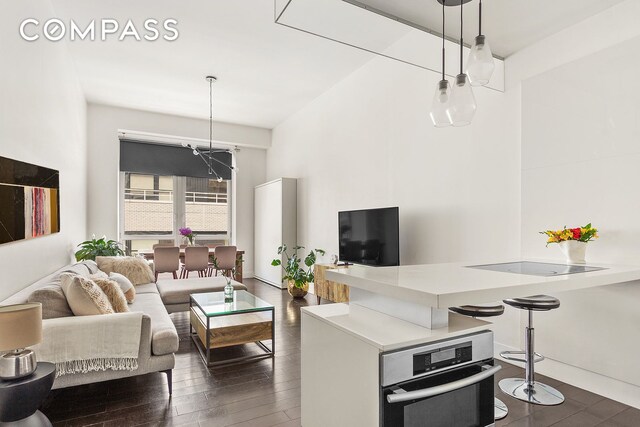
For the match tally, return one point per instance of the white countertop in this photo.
(453, 284)
(387, 332)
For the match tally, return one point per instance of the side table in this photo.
(21, 398)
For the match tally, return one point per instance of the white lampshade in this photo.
(441, 101)
(480, 62)
(462, 106)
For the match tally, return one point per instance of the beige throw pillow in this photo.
(126, 286)
(84, 297)
(135, 269)
(99, 275)
(113, 292)
(54, 303)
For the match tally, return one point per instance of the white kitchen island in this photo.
(422, 293)
(396, 307)
(341, 347)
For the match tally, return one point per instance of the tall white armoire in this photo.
(276, 222)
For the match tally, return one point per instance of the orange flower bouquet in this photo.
(572, 241)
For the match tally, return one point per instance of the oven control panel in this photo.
(407, 363)
(442, 357)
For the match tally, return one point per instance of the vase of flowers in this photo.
(572, 241)
(188, 234)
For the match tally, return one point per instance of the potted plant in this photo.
(297, 277)
(90, 249)
(572, 241)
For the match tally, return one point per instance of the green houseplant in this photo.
(297, 277)
(90, 249)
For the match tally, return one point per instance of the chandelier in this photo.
(208, 155)
(457, 105)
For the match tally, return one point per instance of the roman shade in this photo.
(164, 159)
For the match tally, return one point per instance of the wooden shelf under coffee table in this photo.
(215, 324)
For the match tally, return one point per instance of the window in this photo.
(154, 207)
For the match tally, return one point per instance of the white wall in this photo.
(42, 121)
(104, 154)
(577, 95)
(369, 142)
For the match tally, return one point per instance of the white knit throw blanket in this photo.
(82, 344)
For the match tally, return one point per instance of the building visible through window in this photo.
(156, 206)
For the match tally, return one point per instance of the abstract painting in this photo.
(29, 200)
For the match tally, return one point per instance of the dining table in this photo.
(148, 255)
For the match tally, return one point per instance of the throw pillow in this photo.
(91, 265)
(99, 275)
(133, 268)
(84, 297)
(126, 286)
(115, 295)
(54, 303)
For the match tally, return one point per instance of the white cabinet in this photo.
(275, 218)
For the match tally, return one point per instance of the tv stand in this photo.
(327, 289)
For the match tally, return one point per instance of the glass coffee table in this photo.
(215, 324)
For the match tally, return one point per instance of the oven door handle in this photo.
(400, 395)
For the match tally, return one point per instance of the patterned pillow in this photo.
(126, 286)
(113, 292)
(133, 268)
(84, 297)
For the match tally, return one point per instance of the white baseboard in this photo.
(611, 388)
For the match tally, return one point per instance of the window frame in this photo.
(179, 213)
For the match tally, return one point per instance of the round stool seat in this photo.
(479, 310)
(534, 303)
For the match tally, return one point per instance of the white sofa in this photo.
(158, 338)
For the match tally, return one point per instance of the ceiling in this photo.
(266, 72)
(509, 25)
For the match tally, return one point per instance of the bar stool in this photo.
(528, 389)
(500, 409)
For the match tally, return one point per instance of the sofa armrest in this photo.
(87, 337)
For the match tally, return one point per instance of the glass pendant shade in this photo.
(462, 105)
(441, 102)
(480, 62)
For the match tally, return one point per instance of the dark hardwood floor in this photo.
(267, 392)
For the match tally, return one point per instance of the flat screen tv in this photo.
(370, 237)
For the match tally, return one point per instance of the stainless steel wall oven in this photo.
(447, 383)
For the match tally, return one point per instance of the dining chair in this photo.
(160, 245)
(225, 260)
(196, 258)
(166, 259)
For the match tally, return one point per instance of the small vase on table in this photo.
(228, 291)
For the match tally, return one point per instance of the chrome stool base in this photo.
(500, 409)
(538, 394)
(512, 355)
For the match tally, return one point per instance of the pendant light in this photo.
(463, 104)
(480, 62)
(442, 97)
(208, 156)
